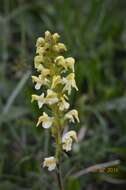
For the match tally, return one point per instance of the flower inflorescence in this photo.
(56, 78)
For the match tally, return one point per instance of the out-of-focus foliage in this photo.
(95, 34)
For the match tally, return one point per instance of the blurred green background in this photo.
(94, 32)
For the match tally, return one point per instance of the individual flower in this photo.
(63, 104)
(45, 120)
(60, 60)
(48, 36)
(38, 60)
(40, 42)
(51, 97)
(70, 61)
(59, 48)
(67, 144)
(67, 63)
(69, 82)
(40, 99)
(50, 162)
(55, 37)
(67, 140)
(72, 115)
(40, 80)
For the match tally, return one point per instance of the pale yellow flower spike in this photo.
(55, 81)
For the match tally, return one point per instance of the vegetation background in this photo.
(95, 34)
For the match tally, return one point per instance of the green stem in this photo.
(58, 149)
(59, 177)
(58, 157)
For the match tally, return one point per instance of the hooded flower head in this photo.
(39, 81)
(67, 140)
(38, 62)
(40, 99)
(66, 64)
(45, 120)
(70, 63)
(40, 42)
(72, 115)
(69, 82)
(50, 163)
(63, 104)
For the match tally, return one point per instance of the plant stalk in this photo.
(59, 177)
